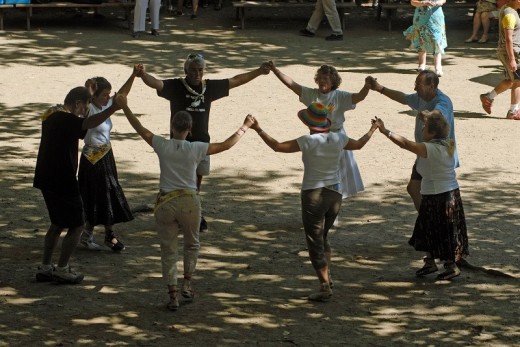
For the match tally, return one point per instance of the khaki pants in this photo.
(180, 214)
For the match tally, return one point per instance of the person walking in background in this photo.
(140, 16)
(508, 52)
(329, 9)
(482, 18)
(428, 32)
(196, 95)
(320, 192)
(102, 195)
(55, 175)
(427, 99)
(440, 228)
(178, 206)
(338, 102)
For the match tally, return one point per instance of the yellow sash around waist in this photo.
(163, 197)
(95, 152)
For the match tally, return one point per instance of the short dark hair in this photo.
(438, 125)
(101, 84)
(77, 94)
(430, 77)
(335, 78)
(182, 121)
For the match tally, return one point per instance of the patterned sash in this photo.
(94, 153)
(163, 197)
(199, 96)
(51, 111)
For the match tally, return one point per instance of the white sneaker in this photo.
(67, 276)
(90, 245)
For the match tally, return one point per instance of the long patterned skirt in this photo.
(440, 227)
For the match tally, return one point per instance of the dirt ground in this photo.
(254, 275)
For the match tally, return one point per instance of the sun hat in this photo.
(315, 117)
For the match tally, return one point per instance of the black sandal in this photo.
(113, 243)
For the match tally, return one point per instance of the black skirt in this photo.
(440, 227)
(103, 197)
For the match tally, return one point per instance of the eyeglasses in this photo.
(193, 56)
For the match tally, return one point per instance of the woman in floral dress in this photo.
(428, 32)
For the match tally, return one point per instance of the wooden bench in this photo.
(390, 8)
(127, 6)
(241, 6)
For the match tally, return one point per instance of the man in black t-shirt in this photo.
(55, 176)
(195, 95)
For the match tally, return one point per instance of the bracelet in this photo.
(382, 90)
(240, 132)
(388, 134)
(260, 132)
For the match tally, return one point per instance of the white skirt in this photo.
(350, 177)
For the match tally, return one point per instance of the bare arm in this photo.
(146, 134)
(288, 81)
(215, 148)
(238, 80)
(125, 89)
(150, 81)
(362, 141)
(418, 148)
(284, 147)
(362, 94)
(94, 120)
(390, 93)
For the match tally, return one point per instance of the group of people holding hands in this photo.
(330, 169)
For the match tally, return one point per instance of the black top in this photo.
(181, 99)
(57, 161)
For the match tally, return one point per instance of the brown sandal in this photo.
(173, 305)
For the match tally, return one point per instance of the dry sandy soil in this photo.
(254, 275)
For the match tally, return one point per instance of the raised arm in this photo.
(125, 89)
(414, 147)
(146, 134)
(362, 141)
(243, 78)
(390, 93)
(215, 148)
(288, 81)
(362, 94)
(284, 147)
(149, 80)
(94, 120)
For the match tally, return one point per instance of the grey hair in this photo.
(194, 58)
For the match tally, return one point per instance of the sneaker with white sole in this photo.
(323, 295)
(487, 102)
(67, 276)
(90, 245)
(44, 275)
